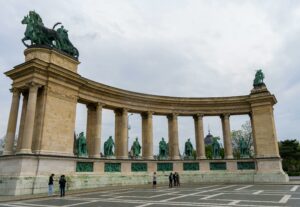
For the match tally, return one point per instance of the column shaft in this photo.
(22, 121)
(227, 136)
(147, 135)
(12, 123)
(121, 139)
(199, 135)
(173, 137)
(97, 135)
(29, 120)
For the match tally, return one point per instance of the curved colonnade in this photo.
(51, 88)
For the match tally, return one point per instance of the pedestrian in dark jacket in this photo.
(174, 179)
(50, 185)
(177, 179)
(170, 180)
(62, 185)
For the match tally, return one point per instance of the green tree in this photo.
(290, 153)
(246, 133)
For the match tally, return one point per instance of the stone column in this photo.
(173, 136)
(89, 129)
(22, 121)
(93, 133)
(97, 135)
(12, 123)
(121, 139)
(147, 135)
(227, 136)
(199, 135)
(29, 119)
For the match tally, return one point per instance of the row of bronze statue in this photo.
(80, 148)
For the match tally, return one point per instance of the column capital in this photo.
(172, 115)
(15, 90)
(33, 85)
(120, 111)
(225, 115)
(198, 116)
(147, 114)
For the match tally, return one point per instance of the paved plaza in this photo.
(197, 195)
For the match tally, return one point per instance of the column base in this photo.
(94, 156)
(176, 157)
(122, 157)
(8, 153)
(229, 157)
(25, 151)
(148, 158)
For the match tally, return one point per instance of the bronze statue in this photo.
(215, 148)
(259, 78)
(136, 148)
(108, 147)
(244, 151)
(163, 149)
(81, 145)
(188, 148)
(39, 35)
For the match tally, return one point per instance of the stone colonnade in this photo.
(93, 133)
(51, 88)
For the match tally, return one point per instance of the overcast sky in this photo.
(175, 48)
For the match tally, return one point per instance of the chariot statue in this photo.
(259, 79)
(39, 35)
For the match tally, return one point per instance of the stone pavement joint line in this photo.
(295, 188)
(242, 188)
(206, 195)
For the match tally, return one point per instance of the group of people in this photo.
(62, 185)
(174, 180)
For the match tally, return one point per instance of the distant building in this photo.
(208, 139)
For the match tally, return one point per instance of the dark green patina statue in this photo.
(188, 149)
(39, 35)
(108, 147)
(216, 148)
(244, 149)
(259, 79)
(81, 145)
(136, 148)
(163, 149)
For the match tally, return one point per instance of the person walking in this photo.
(62, 185)
(50, 185)
(177, 179)
(174, 179)
(154, 180)
(170, 180)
